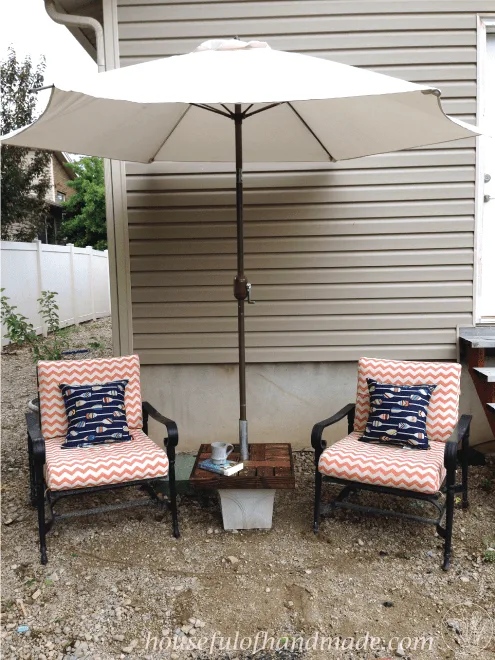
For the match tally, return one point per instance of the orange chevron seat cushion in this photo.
(383, 465)
(101, 465)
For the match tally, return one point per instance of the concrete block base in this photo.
(247, 509)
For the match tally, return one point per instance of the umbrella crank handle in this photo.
(248, 289)
(242, 289)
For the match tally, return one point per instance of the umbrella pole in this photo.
(240, 286)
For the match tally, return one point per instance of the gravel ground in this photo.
(119, 585)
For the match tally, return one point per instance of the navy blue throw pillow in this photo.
(398, 414)
(95, 414)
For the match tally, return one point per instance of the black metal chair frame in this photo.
(456, 452)
(40, 495)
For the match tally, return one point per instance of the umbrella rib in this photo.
(231, 114)
(170, 133)
(312, 132)
(255, 112)
(41, 89)
(247, 110)
(203, 106)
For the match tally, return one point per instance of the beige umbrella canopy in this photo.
(283, 106)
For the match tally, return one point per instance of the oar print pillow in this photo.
(95, 414)
(398, 414)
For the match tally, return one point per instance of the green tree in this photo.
(84, 212)
(25, 178)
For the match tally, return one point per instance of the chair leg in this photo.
(449, 521)
(40, 502)
(173, 495)
(318, 480)
(32, 476)
(465, 470)
(32, 485)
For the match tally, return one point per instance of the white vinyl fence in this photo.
(78, 275)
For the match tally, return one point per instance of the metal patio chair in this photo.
(425, 475)
(57, 472)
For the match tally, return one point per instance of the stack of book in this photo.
(226, 469)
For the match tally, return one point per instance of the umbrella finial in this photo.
(233, 43)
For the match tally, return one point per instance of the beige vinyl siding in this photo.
(365, 257)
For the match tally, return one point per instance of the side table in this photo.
(247, 497)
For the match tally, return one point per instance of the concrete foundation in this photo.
(284, 400)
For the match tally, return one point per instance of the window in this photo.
(60, 196)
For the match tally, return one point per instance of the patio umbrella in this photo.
(283, 107)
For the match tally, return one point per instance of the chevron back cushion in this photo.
(443, 410)
(85, 372)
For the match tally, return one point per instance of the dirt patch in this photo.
(120, 586)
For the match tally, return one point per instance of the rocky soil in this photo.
(119, 585)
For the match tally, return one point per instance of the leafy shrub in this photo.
(51, 347)
(49, 310)
(19, 331)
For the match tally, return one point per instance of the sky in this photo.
(27, 27)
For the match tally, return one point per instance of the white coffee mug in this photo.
(220, 451)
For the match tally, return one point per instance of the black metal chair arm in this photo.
(173, 433)
(317, 442)
(36, 438)
(460, 436)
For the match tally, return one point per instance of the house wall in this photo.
(366, 257)
(60, 178)
(284, 401)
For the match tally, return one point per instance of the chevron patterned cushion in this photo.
(84, 372)
(103, 464)
(385, 465)
(443, 410)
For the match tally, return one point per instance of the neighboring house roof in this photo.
(64, 158)
(92, 8)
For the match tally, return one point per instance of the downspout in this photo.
(80, 21)
(85, 21)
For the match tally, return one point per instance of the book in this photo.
(226, 469)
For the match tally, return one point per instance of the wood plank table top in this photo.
(270, 465)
